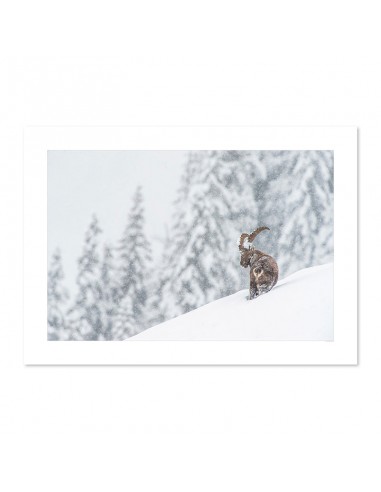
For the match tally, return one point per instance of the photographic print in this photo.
(190, 245)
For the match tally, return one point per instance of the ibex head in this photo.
(246, 246)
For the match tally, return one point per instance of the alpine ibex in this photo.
(263, 268)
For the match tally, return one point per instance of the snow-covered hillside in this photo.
(300, 307)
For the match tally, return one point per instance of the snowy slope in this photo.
(300, 307)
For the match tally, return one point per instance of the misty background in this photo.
(138, 237)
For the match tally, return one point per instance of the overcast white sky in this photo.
(81, 183)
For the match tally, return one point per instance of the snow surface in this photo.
(300, 307)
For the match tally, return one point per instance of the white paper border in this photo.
(342, 140)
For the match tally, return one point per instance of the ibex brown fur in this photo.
(263, 268)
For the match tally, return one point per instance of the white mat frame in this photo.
(342, 140)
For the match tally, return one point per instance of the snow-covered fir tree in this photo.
(58, 328)
(299, 208)
(271, 193)
(162, 294)
(214, 205)
(125, 324)
(307, 233)
(109, 292)
(134, 262)
(156, 312)
(86, 313)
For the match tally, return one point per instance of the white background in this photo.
(189, 428)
